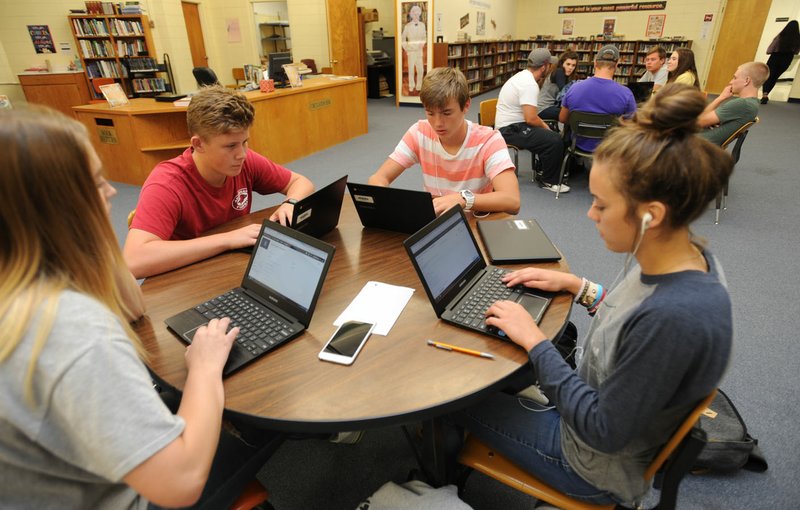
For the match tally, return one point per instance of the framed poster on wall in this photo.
(414, 47)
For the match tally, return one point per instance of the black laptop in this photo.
(399, 210)
(516, 242)
(318, 213)
(641, 90)
(276, 300)
(459, 283)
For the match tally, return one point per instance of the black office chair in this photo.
(584, 125)
(205, 76)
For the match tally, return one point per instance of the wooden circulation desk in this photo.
(289, 124)
(396, 378)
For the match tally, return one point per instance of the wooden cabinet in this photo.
(61, 91)
(488, 64)
(119, 47)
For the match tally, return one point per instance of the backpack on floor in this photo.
(729, 447)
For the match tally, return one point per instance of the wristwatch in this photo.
(291, 201)
(469, 198)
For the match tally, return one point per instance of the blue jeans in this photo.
(529, 435)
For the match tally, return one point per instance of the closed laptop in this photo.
(516, 242)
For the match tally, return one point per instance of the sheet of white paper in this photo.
(377, 302)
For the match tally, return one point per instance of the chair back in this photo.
(97, 82)
(678, 436)
(487, 112)
(238, 74)
(590, 125)
(204, 76)
(739, 136)
(311, 64)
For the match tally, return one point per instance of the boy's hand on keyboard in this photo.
(210, 346)
(544, 279)
(516, 323)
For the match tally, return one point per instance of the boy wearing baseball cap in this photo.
(599, 94)
(519, 122)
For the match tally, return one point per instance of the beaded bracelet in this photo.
(584, 287)
(600, 296)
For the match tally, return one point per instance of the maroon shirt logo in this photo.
(241, 200)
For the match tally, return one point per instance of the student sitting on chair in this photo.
(519, 122)
(660, 339)
(211, 183)
(599, 94)
(656, 68)
(736, 105)
(462, 163)
(82, 426)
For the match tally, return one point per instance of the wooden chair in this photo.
(254, 495)
(584, 125)
(238, 75)
(96, 83)
(486, 114)
(737, 138)
(311, 64)
(676, 459)
(130, 217)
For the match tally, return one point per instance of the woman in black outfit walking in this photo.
(781, 51)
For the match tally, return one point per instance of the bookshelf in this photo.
(488, 64)
(275, 37)
(119, 47)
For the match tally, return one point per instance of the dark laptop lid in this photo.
(516, 241)
(399, 210)
(287, 269)
(318, 213)
(641, 90)
(446, 257)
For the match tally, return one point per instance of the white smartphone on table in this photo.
(346, 342)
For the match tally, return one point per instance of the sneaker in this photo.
(533, 392)
(764, 100)
(554, 187)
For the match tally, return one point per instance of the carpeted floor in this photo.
(757, 241)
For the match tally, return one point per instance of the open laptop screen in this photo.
(445, 255)
(287, 266)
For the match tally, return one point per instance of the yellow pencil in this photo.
(448, 347)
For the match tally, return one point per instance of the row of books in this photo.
(131, 48)
(125, 27)
(96, 49)
(111, 8)
(148, 85)
(142, 65)
(89, 27)
(102, 69)
(100, 7)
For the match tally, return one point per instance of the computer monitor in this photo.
(276, 71)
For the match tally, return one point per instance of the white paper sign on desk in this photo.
(377, 302)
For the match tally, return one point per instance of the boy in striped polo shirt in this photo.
(463, 163)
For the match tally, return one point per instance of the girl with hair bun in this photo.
(660, 338)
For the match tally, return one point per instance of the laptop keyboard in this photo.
(260, 329)
(471, 311)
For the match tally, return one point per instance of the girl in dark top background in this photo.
(781, 51)
(565, 72)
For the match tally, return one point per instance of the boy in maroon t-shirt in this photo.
(211, 183)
